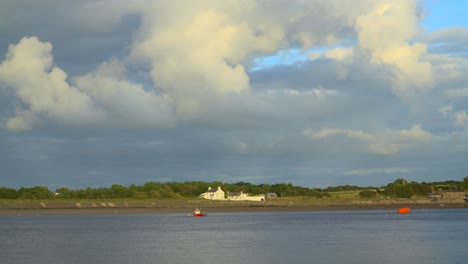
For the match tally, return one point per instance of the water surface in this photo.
(424, 236)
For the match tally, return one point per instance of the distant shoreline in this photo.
(57, 207)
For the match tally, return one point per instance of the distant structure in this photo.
(241, 196)
(271, 195)
(453, 194)
(445, 194)
(213, 194)
(218, 194)
(434, 195)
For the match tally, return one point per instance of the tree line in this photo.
(400, 188)
(151, 190)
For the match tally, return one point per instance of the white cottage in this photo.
(213, 194)
(241, 196)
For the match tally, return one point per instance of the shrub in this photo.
(367, 194)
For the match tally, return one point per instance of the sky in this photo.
(315, 93)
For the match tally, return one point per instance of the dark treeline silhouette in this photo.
(155, 190)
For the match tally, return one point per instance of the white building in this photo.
(235, 196)
(213, 194)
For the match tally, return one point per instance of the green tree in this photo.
(282, 189)
(37, 192)
(264, 188)
(119, 191)
(154, 194)
(139, 195)
(189, 190)
(65, 193)
(421, 189)
(367, 194)
(399, 189)
(90, 193)
(8, 193)
(403, 191)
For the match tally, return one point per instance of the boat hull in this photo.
(404, 210)
(198, 215)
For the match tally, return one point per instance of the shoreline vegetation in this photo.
(185, 206)
(400, 188)
(182, 197)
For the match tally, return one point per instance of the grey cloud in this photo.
(327, 73)
(451, 41)
(87, 33)
(242, 125)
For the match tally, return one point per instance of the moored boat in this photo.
(404, 210)
(197, 212)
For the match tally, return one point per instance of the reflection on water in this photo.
(424, 236)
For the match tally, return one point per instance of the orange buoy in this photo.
(403, 210)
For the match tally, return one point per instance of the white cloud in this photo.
(392, 142)
(124, 102)
(22, 121)
(446, 110)
(199, 52)
(381, 32)
(42, 87)
(102, 97)
(185, 66)
(314, 55)
(203, 52)
(340, 53)
(460, 117)
(353, 134)
(376, 171)
(386, 143)
(447, 69)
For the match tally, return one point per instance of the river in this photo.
(380, 236)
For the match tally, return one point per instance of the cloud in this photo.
(386, 143)
(198, 57)
(126, 103)
(452, 41)
(460, 117)
(376, 171)
(392, 142)
(381, 40)
(203, 52)
(199, 53)
(380, 32)
(449, 71)
(353, 134)
(178, 89)
(340, 53)
(446, 110)
(42, 87)
(457, 93)
(103, 97)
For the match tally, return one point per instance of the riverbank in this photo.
(15, 207)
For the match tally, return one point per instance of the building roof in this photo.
(212, 190)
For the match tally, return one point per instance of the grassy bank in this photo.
(13, 207)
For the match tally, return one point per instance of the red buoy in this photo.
(404, 210)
